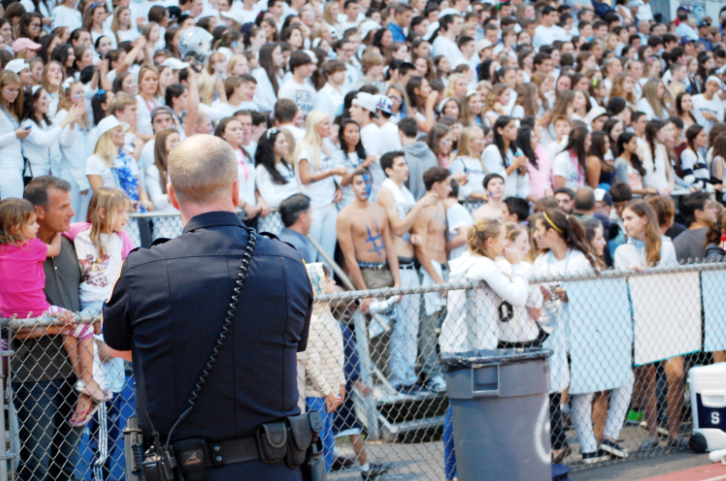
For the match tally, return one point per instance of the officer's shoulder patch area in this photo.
(160, 240)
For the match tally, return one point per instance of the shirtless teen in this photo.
(431, 253)
(365, 240)
(402, 210)
(494, 185)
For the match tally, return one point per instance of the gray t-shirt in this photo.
(43, 358)
(690, 244)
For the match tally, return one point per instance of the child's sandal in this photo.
(82, 418)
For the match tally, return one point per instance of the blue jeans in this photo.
(403, 346)
(104, 434)
(326, 434)
(449, 452)
(49, 443)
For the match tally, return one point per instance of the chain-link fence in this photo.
(146, 228)
(623, 343)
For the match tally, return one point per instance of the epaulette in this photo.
(160, 240)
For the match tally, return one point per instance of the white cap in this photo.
(367, 27)
(107, 124)
(594, 113)
(635, 3)
(17, 65)
(449, 11)
(366, 101)
(236, 15)
(713, 78)
(384, 104)
(482, 44)
(174, 63)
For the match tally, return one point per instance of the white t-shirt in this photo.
(329, 99)
(374, 144)
(246, 177)
(701, 104)
(128, 35)
(547, 35)
(297, 133)
(564, 166)
(515, 185)
(321, 193)
(156, 194)
(456, 217)
(476, 173)
(302, 94)
(95, 165)
(444, 46)
(144, 109)
(98, 275)
(274, 193)
(66, 17)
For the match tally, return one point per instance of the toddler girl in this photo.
(22, 281)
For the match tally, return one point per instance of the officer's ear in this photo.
(172, 196)
(235, 192)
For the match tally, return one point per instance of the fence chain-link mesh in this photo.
(623, 344)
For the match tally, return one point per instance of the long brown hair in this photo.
(570, 230)
(713, 236)
(111, 200)
(161, 156)
(642, 208)
(14, 214)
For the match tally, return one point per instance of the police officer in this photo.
(169, 305)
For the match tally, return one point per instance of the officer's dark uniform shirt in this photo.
(168, 307)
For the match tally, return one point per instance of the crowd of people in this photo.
(414, 143)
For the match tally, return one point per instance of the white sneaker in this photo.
(436, 384)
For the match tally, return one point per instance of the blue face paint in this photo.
(369, 184)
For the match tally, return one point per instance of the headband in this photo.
(552, 224)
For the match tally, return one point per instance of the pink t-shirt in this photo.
(22, 279)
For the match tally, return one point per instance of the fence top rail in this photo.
(452, 286)
(15, 323)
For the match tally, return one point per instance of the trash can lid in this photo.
(493, 356)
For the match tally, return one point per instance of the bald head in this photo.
(202, 170)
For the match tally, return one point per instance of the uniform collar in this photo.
(213, 219)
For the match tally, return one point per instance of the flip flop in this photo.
(82, 418)
(94, 394)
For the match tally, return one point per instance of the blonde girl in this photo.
(469, 164)
(53, 76)
(101, 246)
(486, 241)
(217, 65)
(111, 166)
(456, 86)
(237, 65)
(121, 25)
(330, 14)
(652, 102)
(75, 146)
(521, 330)
(148, 98)
(22, 255)
(624, 87)
(496, 103)
(315, 171)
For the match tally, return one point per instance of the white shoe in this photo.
(436, 384)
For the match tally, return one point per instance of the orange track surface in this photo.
(711, 472)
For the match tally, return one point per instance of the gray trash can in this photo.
(500, 407)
